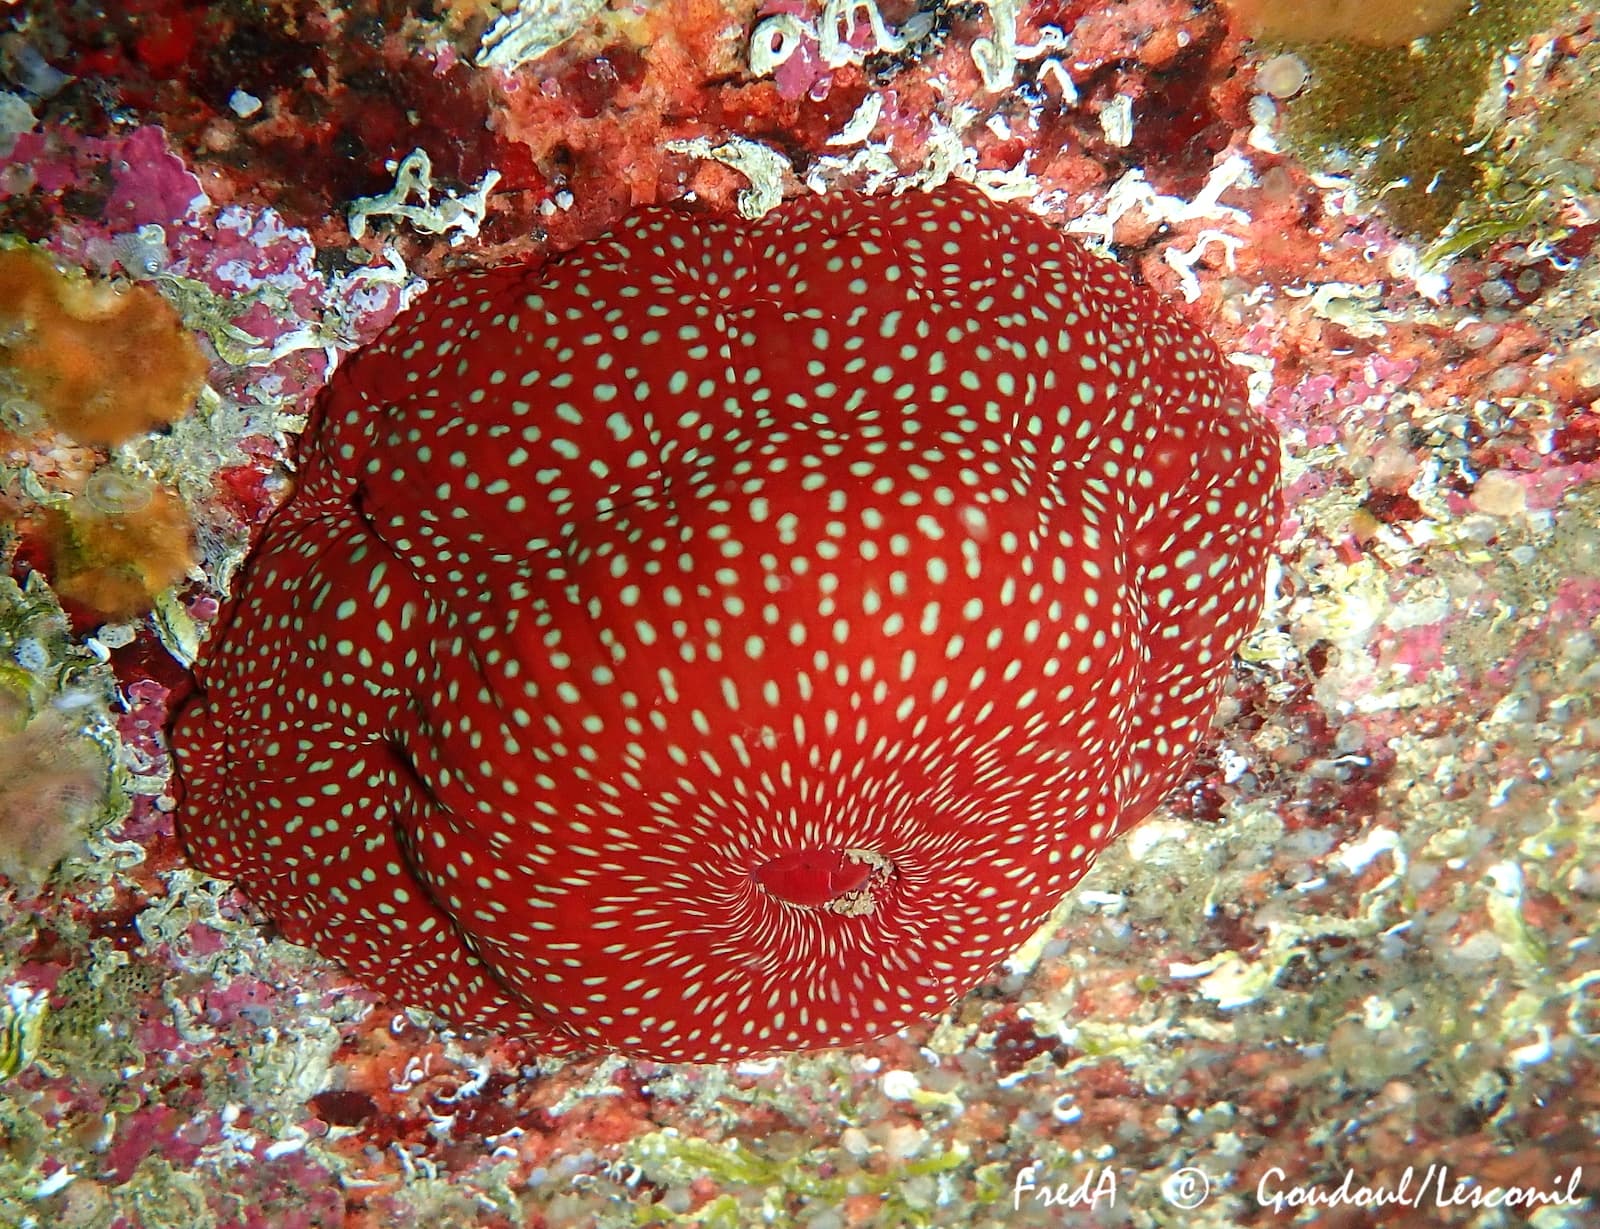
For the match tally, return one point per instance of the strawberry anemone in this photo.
(729, 638)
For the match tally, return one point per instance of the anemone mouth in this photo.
(844, 881)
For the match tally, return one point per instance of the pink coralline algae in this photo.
(731, 638)
(149, 183)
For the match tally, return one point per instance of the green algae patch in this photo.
(908, 1188)
(1407, 120)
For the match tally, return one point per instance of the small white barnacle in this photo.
(762, 165)
(839, 19)
(775, 40)
(996, 58)
(432, 215)
(860, 125)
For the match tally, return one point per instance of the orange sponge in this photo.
(100, 364)
(116, 561)
(52, 784)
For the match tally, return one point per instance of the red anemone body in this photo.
(731, 637)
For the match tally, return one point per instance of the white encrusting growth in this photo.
(732, 638)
